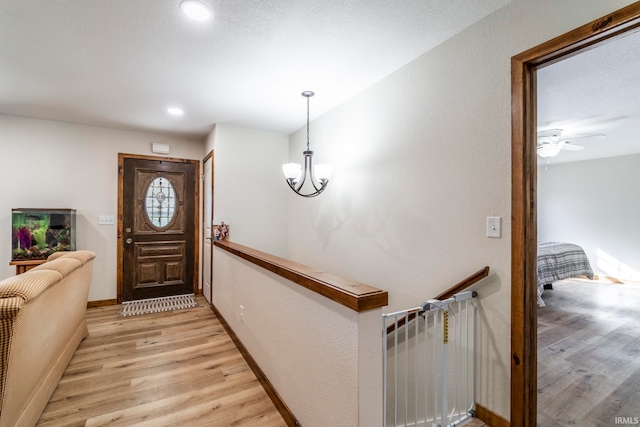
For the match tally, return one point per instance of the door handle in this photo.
(129, 240)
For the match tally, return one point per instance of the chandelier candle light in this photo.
(318, 176)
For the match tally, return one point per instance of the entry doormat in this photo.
(157, 305)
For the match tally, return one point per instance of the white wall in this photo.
(594, 204)
(249, 187)
(52, 164)
(318, 354)
(420, 160)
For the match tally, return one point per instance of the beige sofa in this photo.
(42, 322)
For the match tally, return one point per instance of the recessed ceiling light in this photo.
(195, 10)
(175, 111)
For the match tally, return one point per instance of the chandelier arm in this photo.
(302, 180)
(314, 194)
(322, 185)
(304, 176)
(309, 165)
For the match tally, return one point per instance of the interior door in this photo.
(207, 223)
(158, 228)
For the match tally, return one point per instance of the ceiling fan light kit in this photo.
(549, 144)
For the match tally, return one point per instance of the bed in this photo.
(558, 261)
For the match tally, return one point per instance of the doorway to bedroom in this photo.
(594, 347)
(588, 260)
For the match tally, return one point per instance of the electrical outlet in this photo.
(242, 313)
(106, 220)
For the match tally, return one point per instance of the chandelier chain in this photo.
(307, 123)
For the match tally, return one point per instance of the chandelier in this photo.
(318, 175)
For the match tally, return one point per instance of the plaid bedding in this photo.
(557, 261)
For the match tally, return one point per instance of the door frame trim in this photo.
(524, 199)
(196, 212)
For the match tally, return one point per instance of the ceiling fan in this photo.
(550, 144)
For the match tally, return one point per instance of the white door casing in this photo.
(206, 231)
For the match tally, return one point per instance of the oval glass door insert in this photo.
(160, 202)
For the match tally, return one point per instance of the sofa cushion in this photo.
(56, 255)
(62, 265)
(82, 255)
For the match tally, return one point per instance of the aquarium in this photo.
(37, 233)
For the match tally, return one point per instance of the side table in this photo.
(24, 266)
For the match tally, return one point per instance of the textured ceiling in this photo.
(594, 92)
(120, 63)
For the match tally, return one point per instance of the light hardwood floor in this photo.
(474, 422)
(169, 369)
(589, 354)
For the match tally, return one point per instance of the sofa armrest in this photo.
(17, 290)
(9, 307)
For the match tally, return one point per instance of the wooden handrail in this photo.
(458, 287)
(354, 295)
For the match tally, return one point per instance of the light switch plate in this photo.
(494, 226)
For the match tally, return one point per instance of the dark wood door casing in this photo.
(155, 260)
(524, 198)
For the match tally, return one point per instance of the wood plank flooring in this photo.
(473, 422)
(589, 354)
(167, 369)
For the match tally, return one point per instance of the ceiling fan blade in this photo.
(608, 120)
(587, 135)
(594, 122)
(572, 147)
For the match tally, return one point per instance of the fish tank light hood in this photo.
(37, 233)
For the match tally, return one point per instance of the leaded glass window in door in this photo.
(160, 202)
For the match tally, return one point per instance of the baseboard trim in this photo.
(282, 407)
(101, 303)
(490, 418)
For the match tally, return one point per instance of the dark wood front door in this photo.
(157, 230)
